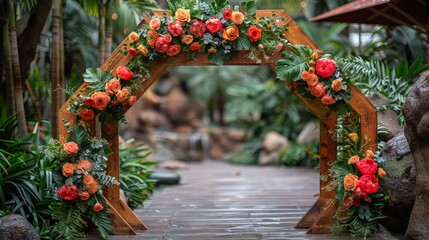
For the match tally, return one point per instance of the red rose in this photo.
(325, 67)
(367, 166)
(98, 207)
(214, 25)
(328, 100)
(227, 14)
(195, 46)
(254, 33)
(161, 45)
(197, 28)
(132, 51)
(68, 192)
(124, 73)
(175, 28)
(89, 102)
(368, 184)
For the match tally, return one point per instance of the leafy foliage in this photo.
(135, 173)
(301, 155)
(294, 62)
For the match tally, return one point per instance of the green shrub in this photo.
(301, 155)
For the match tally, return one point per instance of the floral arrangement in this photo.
(315, 76)
(356, 176)
(80, 176)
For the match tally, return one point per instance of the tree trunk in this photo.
(101, 32)
(416, 112)
(16, 71)
(10, 97)
(55, 67)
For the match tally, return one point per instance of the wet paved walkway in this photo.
(216, 200)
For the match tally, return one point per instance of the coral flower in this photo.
(68, 169)
(101, 100)
(237, 17)
(350, 181)
(84, 196)
(98, 207)
(84, 165)
(353, 160)
(254, 33)
(70, 147)
(354, 137)
(88, 179)
(231, 33)
(155, 24)
(183, 15)
(133, 36)
(227, 14)
(86, 114)
(113, 86)
(337, 85)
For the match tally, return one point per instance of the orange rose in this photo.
(312, 63)
(337, 85)
(311, 70)
(101, 100)
(350, 181)
(381, 173)
(86, 114)
(133, 36)
(312, 80)
(328, 100)
(154, 24)
(173, 50)
(353, 160)
(354, 137)
(142, 50)
(70, 147)
(183, 15)
(237, 18)
(305, 75)
(88, 179)
(318, 90)
(93, 187)
(315, 55)
(84, 165)
(112, 86)
(231, 33)
(68, 169)
(152, 35)
(84, 196)
(369, 154)
(195, 46)
(187, 39)
(212, 50)
(132, 100)
(98, 207)
(122, 95)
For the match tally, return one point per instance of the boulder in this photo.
(268, 158)
(399, 183)
(274, 141)
(388, 119)
(416, 113)
(310, 133)
(16, 227)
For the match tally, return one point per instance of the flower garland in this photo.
(80, 176)
(356, 176)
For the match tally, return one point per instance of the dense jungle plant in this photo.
(135, 173)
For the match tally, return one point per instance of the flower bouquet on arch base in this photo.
(355, 176)
(80, 177)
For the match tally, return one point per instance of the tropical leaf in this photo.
(295, 61)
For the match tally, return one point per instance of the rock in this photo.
(310, 133)
(399, 183)
(164, 176)
(150, 118)
(15, 226)
(216, 152)
(268, 158)
(416, 113)
(172, 165)
(275, 142)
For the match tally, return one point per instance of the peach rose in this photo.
(98, 207)
(122, 95)
(154, 24)
(183, 15)
(354, 137)
(84, 196)
(328, 100)
(173, 50)
(312, 80)
(133, 36)
(88, 179)
(212, 50)
(152, 35)
(353, 159)
(83, 165)
(93, 187)
(315, 55)
(187, 39)
(350, 181)
(231, 33)
(381, 173)
(112, 86)
(237, 17)
(311, 70)
(68, 169)
(132, 100)
(195, 46)
(312, 63)
(101, 100)
(369, 154)
(86, 114)
(305, 75)
(142, 50)
(318, 90)
(337, 85)
(70, 147)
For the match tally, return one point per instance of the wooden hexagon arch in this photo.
(319, 218)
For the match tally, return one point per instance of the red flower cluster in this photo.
(325, 67)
